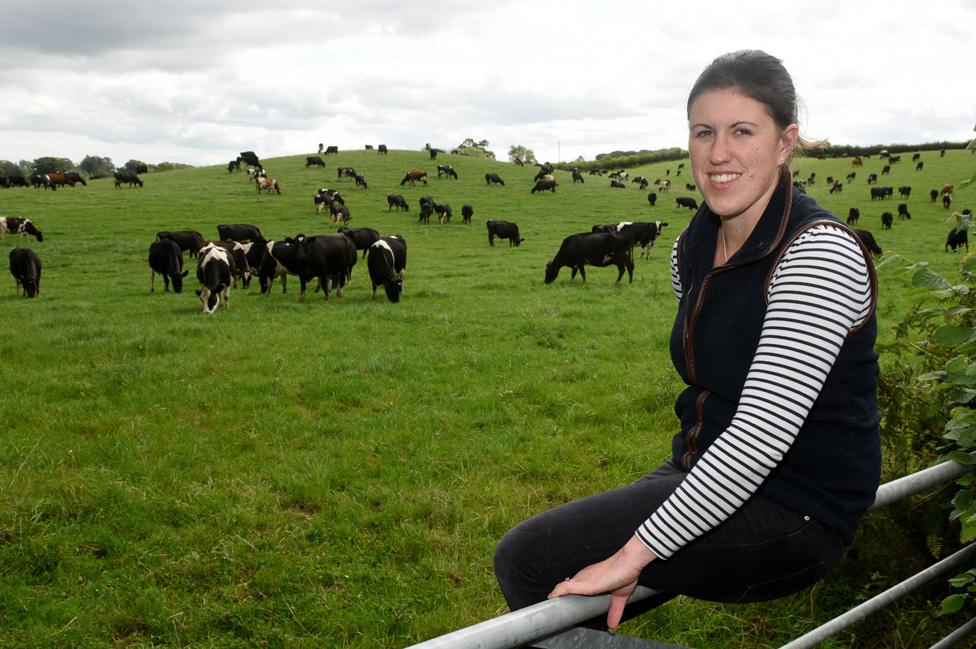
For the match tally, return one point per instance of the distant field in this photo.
(337, 474)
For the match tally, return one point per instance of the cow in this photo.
(433, 153)
(577, 176)
(340, 214)
(249, 158)
(187, 240)
(857, 162)
(957, 238)
(382, 149)
(836, 186)
(329, 257)
(413, 177)
(946, 200)
(593, 248)
(503, 230)
(663, 185)
(19, 225)
(314, 161)
(240, 232)
(166, 258)
(885, 170)
(361, 181)
(387, 263)
(214, 275)
(872, 179)
(278, 260)
(253, 173)
(446, 170)
(444, 212)
(686, 201)
(934, 194)
(919, 166)
(240, 265)
(652, 198)
(850, 177)
(332, 149)
(886, 220)
(853, 215)
(493, 179)
(642, 234)
(41, 180)
(123, 176)
(330, 195)
(267, 185)
(946, 189)
(426, 209)
(72, 177)
(894, 158)
(362, 238)
(345, 172)
(868, 240)
(233, 165)
(903, 211)
(467, 211)
(881, 193)
(25, 266)
(16, 180)
(545, 185)
(916, 157)
(904, 191)
(616, 184)
(397, 201)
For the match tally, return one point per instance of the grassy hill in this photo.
(337, 474)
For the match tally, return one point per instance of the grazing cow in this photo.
(957, 237)
(361, 181)
(166, 258)
(387, 263)
(503, 230)
(426, 209)
(493, 179)
(616, 184)
(233, 165)
(16, 180)
(467, 211)
(329, 257)
(853, 215)
(413, 176)
(885, 170)
(123, 176)
(253, 173)
(72, 177)
(919, 166)
(577, 176)
(277, 260)
(686, 201)
(267, 185)
(345, 172)
(595, 249)
(916, 157)
(446, 170)
(369, 147)
(903, 211)
(340, 214)
(886, 220)
(934, 194)
(857, 162)
(545, 185)
(836, 186)
(641, 233)
(214, 275)
(946, 200)
(332, 149)
(691, 187)
(240, 232)
(187, 240)
(894, 158)
(881, 193)
(850, 177)
(19, 225)
(652, 199)
(397, 201)
(362, 238)
(868, 240)
(314, 161)
(25, 266)
(664, 185)
(240, 265)
(904, 191)
(249, 158)
(381, 149)
(947, 189)
(332, 195)
(872, 179)
(433, 153)
(443, 213)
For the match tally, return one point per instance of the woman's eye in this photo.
(702, 134)
(742, 132)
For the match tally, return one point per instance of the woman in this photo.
(778, 453)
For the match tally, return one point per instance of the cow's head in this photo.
(552, 271)
(30, 286)
(210, 298)
(29, 228)
(393, 289)
(177, 280)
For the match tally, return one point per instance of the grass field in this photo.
(337, 474)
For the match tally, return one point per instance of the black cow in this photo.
(686, 201)
(386, 263)
(278, 260)
(616, 184)
(957, 238)
(426, 209)
(15, 180)
(233, 165)
(595, 249)
(332, 150)
(934, 194)
(503, 230)
(187, 240)
(894, 158)
(467, 211)
(885, 170)
(868, 240)
(577, 176)
(362, 238)
(853, 215)
(166, 258)
(248, 157)
(652, 199)
(25, 266)
(314, 161)
(904, 191)
(872, 179)
(545, 185)
(397, 201)
(433, 153)
(381, 149)
(19, 225)
(214, 275)
(446, 170)
(240, 232)
(882, 192)
(903, 211)
(886, 220)
(123, 176)
(493, 179)
(329, 257)
(361, 181)
(73, 177)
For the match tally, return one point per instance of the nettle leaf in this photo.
(963, 501)
(925, 278)
(962, 580)
(961, 457)
(951, 335)
(969, 264)
(959, 310)
(953, 603)
(968, 532)
(937, 376)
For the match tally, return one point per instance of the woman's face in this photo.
(736, 149)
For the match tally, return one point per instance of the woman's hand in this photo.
(616, 575)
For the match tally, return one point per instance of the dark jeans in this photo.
(762, 552)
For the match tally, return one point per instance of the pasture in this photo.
(338, 473)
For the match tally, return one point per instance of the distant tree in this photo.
(580, 159)
(49, 164)
(169, 166)
(10, 169)
(477, 149)
(135, 165)
(521, 155)
(96, 166)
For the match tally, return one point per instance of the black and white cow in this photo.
(240, 266)
(166, 258)
(340, 214)
(345, 172)
(443, 212)
(188, 240)
(397, 201)
(19, 225)
(616, 184)
(25, 266)
(362, 238)
(446, 170)
(214, 275)
(467, 211)
(328, 257)
(595, 249)
(503, 230)
(577, 176)
(386, 263)
(642, 233)
(545, 185)
(686, 201)
(278, 261)
(493, 179)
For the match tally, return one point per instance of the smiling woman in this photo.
(778, 452)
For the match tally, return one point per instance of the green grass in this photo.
(337, 474)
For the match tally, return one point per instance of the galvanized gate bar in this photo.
(956, 636)
(949, 564)
(918, 482)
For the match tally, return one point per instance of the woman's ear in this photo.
(788, 141)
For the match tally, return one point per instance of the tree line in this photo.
(92, 166)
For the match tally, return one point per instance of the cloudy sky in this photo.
(197, 82)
